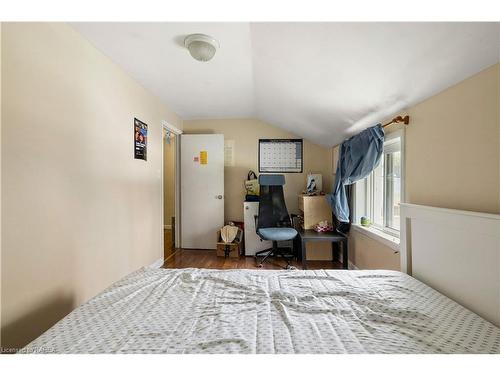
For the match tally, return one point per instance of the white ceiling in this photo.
(322, 81)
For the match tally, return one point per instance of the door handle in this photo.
(218, 196)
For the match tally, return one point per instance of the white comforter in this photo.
(246, 311)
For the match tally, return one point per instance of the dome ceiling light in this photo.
(202, 47)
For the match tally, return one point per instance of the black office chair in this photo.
(273, 222)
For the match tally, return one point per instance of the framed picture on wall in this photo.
(140, 140)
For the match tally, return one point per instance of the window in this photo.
(378, 196)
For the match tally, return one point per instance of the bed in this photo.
(246, 311)
(296, 311)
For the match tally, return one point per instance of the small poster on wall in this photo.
(140, 140)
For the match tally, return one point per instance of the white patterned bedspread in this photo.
(247, 311)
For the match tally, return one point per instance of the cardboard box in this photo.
(231, 250)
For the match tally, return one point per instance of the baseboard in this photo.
(157, 264)
(167, 226)
(352, 266)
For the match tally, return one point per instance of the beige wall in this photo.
(453, 146)
(0, 185)
(367, 253)
(78, 211)
(168, 180)
(452, 154)
(246, 134)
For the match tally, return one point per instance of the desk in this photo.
(309, 235)
(312, 210)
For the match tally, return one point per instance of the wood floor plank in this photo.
(187, 258)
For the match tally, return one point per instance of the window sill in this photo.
(378, 235)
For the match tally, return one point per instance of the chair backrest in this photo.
(272, 207)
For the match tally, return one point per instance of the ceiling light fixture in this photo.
(202, 47)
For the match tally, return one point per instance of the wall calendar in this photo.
(281, 156)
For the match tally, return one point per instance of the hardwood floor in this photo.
(183, 258)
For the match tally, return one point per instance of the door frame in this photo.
(177, 171)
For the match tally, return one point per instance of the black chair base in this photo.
(273, 252)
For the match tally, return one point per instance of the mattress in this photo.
(258, 311)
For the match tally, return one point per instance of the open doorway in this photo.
(170, 190)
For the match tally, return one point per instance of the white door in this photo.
(202, 189)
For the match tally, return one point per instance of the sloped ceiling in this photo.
(321, 81)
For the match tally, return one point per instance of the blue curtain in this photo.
(358, 156)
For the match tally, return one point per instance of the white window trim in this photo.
(386, 236)
(401, 133)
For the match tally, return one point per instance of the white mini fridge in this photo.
(252, 241)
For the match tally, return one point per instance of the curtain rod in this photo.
(399, 119)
